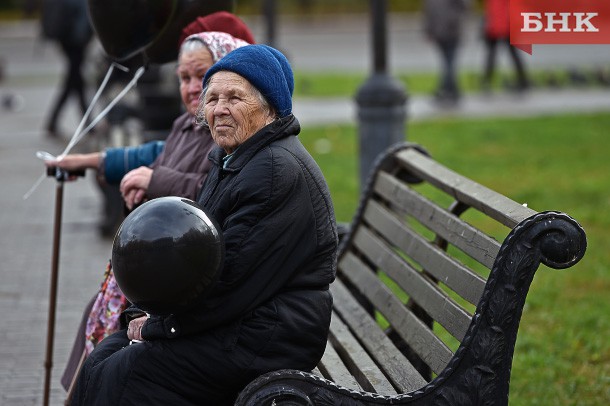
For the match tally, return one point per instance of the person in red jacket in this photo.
(444, 25)
(497, 30)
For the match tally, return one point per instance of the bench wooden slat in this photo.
(357, 360)
(394, 364)
(457, 232)
(331, 367)
(434, 260)
(422, 340)
(495, 205)
(420, 289)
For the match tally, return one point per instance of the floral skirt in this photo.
(104, 316)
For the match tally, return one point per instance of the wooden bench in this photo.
(427, 302)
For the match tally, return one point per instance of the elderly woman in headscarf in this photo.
(176, 167)
(179, 169)
(271, 307)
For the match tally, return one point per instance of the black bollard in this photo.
(270, 13)
(381, 100)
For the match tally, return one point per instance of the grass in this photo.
(346, 84)
(562, 354)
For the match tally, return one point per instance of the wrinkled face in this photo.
(192, 67)
(233, 110)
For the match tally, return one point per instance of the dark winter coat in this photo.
(271, 308)
(67, 22)
(183, 165)
(444, 19)
(179, 164)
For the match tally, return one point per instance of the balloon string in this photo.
(79, 133)
(34, 186)
(88, 112)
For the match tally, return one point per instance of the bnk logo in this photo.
(559, 22)
(533, 22)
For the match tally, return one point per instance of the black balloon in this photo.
(166, 255)
(146, 30)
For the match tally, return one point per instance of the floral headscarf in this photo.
(218, 43)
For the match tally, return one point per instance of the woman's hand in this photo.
(134, 185)
(134, 197)
(76, 162)
(134, 330)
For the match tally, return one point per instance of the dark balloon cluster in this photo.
(138, 32)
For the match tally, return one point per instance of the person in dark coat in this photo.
(67, 23)
(443, 25)
(271, 307)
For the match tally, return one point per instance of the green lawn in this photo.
(346, 84)
(560, 163)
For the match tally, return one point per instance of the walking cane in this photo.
(60, 175)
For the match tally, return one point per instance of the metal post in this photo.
(48, 364)
(381, 100)
(270, 13)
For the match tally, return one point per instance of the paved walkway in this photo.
(30, 76)
(333, 111)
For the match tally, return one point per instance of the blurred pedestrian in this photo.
(29, 8)
(443, 24)
(66, 22)
(497, 31)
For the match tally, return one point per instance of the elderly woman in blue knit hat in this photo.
(271, 307)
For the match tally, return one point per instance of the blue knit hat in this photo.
(266, 68)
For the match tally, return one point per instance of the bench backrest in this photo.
(411, 273)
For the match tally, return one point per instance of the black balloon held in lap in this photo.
(166, 255)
